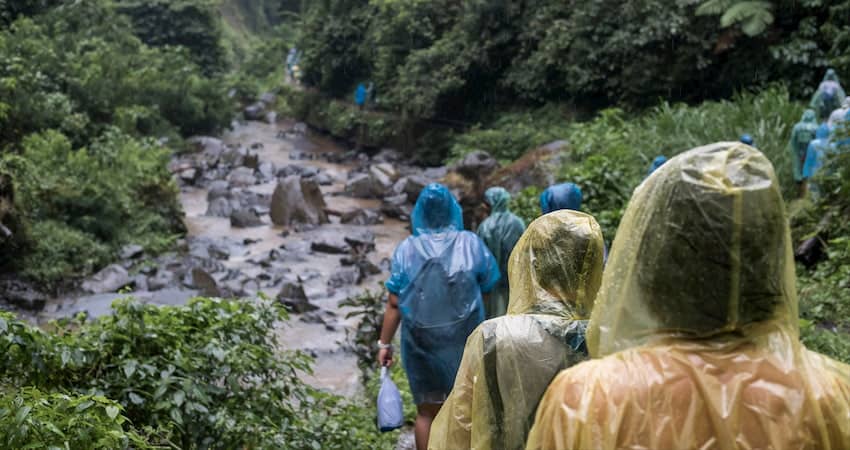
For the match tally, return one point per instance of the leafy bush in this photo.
(207, 375)
(86, 202)
(32, 419)
(76, 66)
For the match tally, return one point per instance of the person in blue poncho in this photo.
(561, 196)
(656, 163)
(816, 154)
(803, 133)
(500, 232)
(829, 96)
(437, 279)
(747, 139)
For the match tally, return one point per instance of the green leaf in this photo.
(22, 414)
(179, 397)
(84, 406)
(4, 326)
(176, 416)
(112, 412)
(136, 399)
(130, 368)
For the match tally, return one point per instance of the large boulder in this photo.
(110, 279)
(22, 294)
(476, 164)
(293, 296)
(211, 147)
(205, 283)
(218, 189)
(537, 167)
(298, 201)
(360, 185)
(397, 207)
(219, 207)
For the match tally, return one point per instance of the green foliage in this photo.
(207, 375)
(32, 419)
(191, 24)
(77, 68)
(85, 202)
(526, 204)
(753, 16)
(511, 135)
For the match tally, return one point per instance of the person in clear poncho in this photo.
(838, 116)
(801, 135)
(696, 325)
(555, 272)
(829, 96)
(500, 232)
(437, 278)
(561, 196)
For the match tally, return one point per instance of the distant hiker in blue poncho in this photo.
(656, 163)
(437, 279)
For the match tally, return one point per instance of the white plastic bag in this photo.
(390, 411)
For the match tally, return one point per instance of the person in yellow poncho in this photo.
(555, 271)
(696, 325)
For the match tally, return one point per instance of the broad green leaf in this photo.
(112, 412)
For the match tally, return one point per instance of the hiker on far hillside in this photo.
(829, 96)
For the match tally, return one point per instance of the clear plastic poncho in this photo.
(438, 275)
(561, 196)
(839, 114)
(696, 324)
(803, 133)
(555, 272)
(829, 96)
(500, 232)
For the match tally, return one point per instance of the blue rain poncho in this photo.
(816, 152)
(803, 133)
(500, 232)
(747, 139)
(829, 96)
(438, 274)
(561, 196)
(656, 163)
(360, 95)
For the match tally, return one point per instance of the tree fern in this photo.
(753, 16)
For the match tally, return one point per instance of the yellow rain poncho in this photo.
(696, 324)
(555, 271)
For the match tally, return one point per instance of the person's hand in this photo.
(385, 357)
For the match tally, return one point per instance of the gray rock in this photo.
(218, 189)
(271, 117)
(397, 207)
(360, 186)
(362, 242)
(476, 164)
(219, 207)
(324, 179)
(387, 155)
(289, 170)
(298, 201)
(140, 282)
(362, 217)
(245, 218)
(255, 111)
(162, 280)
(110, 279)
(292, 295)
(266, 171)
(22, 294)
(190, 176)
(345, 277)
(331, 246)
(300, 128)
(132, 251)
(435, 173)
(241, 177)
(205, 283)
(233, 157)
